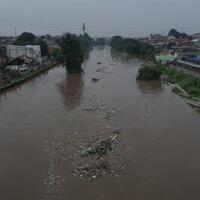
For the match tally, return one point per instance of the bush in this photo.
(150, 72)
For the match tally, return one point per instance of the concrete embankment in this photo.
(27, 76)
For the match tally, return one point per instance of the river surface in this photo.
(160, 132)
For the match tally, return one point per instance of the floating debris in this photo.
(91, 172)
(103, 70)
(95, 80)
(98, 156)
(90, 109)
(91, 159)
(102, 148)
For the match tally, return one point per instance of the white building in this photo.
(29, 51)
(196, 42)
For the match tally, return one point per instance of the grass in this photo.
(188, 82)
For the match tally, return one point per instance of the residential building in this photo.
(29, 51)
(158, 41)
(196, 42)
(166, 57)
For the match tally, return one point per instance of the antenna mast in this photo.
(84, 28)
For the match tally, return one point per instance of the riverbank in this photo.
(186, 85)
(27, 76)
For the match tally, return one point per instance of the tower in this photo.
(84, 28)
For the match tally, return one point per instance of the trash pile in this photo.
(99, 156)
(100, 149)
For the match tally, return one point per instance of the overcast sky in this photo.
(102, 17)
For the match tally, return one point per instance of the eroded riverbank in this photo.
(159, 133)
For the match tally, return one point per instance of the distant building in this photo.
(166, 57)
(29, 51)
(196, 42)
(172, 40)
(52, 48)
(158, 41)
(196, 36)
(184, 42)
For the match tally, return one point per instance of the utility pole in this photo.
(15, 33)
(84, 28)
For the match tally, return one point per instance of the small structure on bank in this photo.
(165, 57)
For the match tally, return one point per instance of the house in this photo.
(184, 42)
(14, 51)
(172, 40)
(196, 36)
(195, 42)
(158, 41)
(34, 52)
(29, 51)
(166, 57)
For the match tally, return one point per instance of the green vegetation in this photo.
(72, 56)
(150, 72)
(25, 39)
(100, 42)
(132, 46)
(176, 34)
(57, 55)
(85, 43)
(72, 50)
(154, 71)
(43, 47)
(188, 82)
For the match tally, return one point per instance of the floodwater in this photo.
(160, 132)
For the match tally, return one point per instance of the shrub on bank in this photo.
(154, 71)
(150, 72)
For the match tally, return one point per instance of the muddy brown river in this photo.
(159, 131)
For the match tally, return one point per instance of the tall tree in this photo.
(174, 32)
(26, 38)
(116, 42)
(72, 56)
(43, 47)
(85, 42)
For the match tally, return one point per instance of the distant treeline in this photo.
(86, 42)
(132, 46)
